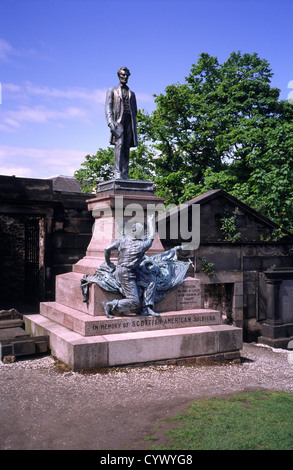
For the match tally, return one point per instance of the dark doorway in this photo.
(32, 261)
(220, 297)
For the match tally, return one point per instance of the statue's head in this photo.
(136, 232)
(123, 74)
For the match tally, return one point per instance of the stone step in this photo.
(86, 325)
(22, 346)
(83, 352)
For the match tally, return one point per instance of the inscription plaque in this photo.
(184, 297)
(87, 325)
(188, 318)
(189, 295)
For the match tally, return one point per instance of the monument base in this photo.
(142, 347)
(83, 337)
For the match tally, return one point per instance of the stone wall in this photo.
(62, 224)
(12, 253)
(234, 268)
(236, 259)
(71, 230)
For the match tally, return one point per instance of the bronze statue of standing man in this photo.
(121, 110)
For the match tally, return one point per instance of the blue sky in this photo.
(58, 57)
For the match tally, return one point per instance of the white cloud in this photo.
(89, 96)
(5, 49)
(95, 96)
(9, 121)
(14, 119)
(44, 105)
(38, 108)
(11, 91)
(71, 93)
(21, 172)
(39, 162)
(11, 88)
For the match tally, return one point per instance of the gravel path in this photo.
(44, 408)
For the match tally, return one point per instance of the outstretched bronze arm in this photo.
(107, 253)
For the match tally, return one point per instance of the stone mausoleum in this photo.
(245, 267)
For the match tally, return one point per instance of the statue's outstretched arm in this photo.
(107, 253)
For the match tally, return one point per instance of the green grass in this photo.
(251, 421)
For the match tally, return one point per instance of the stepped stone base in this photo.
(88, 352)
(86, 325)
(83, 337)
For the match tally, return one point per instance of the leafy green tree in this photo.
(269, 184)
(224, 127)
(212, 130)
(141, 163)
(100, 167)
(95, 168)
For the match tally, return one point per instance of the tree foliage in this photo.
(224, 127)
(100, 167)
(95, 168)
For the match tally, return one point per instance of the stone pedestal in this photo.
(277, 328)
(117, 202)
(84, 338)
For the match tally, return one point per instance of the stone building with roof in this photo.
(245, 264)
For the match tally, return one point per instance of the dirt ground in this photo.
(45, 407)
